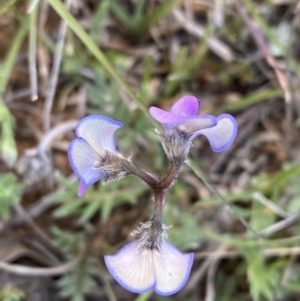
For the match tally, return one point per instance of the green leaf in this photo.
(181, 221)
(275, 182)
(118, 193)
(249, 100)
(78, 281)
(102, 199)
(177, 73)
(144, 297)
(98, 20)
(10, 293)
(261, 216)
(264, 279)
(6, 6)
(90, 210)
(70, 243)
(10, 192)
(69, 208)
(8, 149)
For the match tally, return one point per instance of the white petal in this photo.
(193, 125)
(82, 159)
(98, 131)
(222, 135)
(132, 268)
(172, 269)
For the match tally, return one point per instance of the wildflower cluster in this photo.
(150, 261)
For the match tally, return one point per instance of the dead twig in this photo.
(107, 287)
(280, 225)
(266, 202)
(200, 272)
(210, 286)
(55, 132)
(227, 254)
(43, 272)
(43, 55)
(218, 13)
(55, 70)
(217, 46)
(40, 234)
(256, 33)
(32, 55)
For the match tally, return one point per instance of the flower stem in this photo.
(168, 180)
(159, 197)
(143, 175)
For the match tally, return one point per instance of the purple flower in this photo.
(220, 131)
(146, 264)
(95, 139)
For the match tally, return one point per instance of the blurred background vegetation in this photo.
(238, 210)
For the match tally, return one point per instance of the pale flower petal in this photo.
(132, 267)
(98, 131)
(83, 159)
(172, 269)
(193, 125)
(222, 135)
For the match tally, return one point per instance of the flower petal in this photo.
(82, 188)
(82, 159)
(166, 118)
(98, 131)
(222, 135)
(132, 267)
(182, 110)
(186, 106)
(172, 269)
(193, 125)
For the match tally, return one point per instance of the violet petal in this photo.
(83, 159)
(186, 106)
(82, 188)
(166, 118)
(222, 135)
